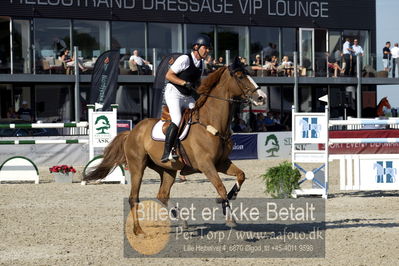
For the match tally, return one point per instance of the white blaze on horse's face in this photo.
(261, 100)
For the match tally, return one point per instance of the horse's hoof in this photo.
(231, 223)
(184, 224)
(138, 232)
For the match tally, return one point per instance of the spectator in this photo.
(264, 123)
(209, 66)
(395, 59)
(338, 57)
(239, 125)
(347, 51)
(70, 61)
(24, 112)
(260, 127)
(220, 62)
(244, 61)
(143, 65)
(286, 66)
(386, 57)
(269, 50)
(258, 61)
(333, 65)
(274, 63)
(268, 66)
(357, 51)
(11, 113)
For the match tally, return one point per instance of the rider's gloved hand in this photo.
(189, 85)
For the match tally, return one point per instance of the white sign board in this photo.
(310, 128)
(103, 128)
(379, 174)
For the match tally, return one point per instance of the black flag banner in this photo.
(159, 84)
(104, 80)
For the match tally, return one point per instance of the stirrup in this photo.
(173, 154)
(171, 158)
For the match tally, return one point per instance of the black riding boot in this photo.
(170, 138)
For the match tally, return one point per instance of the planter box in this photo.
(63, 178)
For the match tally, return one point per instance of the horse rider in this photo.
(183, 75)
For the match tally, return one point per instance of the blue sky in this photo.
(387, 30)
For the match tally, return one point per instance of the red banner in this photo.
(364, 148)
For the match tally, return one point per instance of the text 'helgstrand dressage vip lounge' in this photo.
(34, 35)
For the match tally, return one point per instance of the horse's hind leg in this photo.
(228, 168)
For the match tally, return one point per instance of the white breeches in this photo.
(177, 102)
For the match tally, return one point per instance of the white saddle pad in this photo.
(158, 135)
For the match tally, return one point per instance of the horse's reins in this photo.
(230, 100)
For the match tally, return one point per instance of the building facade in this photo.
(34, 33)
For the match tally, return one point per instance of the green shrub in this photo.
(281, 180)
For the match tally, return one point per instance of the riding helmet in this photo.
(203, 40)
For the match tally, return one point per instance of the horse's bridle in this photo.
(246, 93)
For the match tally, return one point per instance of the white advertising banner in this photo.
(379, 174)
(104, 128)
(310, 128)
(276, 145)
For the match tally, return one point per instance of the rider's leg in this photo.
(173, 99)
(170, 138)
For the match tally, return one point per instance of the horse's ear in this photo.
(236, 65)
(237, 61)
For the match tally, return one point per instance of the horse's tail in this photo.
(114, 155)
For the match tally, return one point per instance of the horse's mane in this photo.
(207, 85)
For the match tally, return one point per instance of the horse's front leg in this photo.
(209, 170)
(167, 180)
(228, 168)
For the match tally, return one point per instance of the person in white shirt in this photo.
(182, 77)
(357, 50)
(347, 52)
(143, 64)
(395, 59)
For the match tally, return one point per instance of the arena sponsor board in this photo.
(244, 147)
(274, 145)
(123, 125)
(266, 228)
(104, 125)
(290, 13)
(378, 173)
(364, 148)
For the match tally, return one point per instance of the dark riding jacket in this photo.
(192, 74)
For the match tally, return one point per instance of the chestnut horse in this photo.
(380, 107)
(207, 152)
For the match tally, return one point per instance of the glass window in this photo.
(133, 102)
(233, 38)
(289, 42)
(92, 38)
(58, 107)
(165, 38)
(5, 66)
(266, 40)
(52, 37)
(21, 46)
(126, 37)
